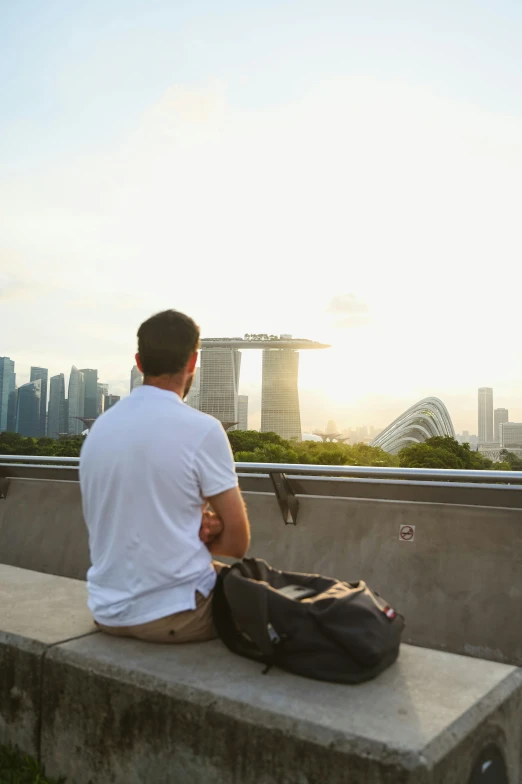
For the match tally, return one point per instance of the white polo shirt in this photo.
(145, 468)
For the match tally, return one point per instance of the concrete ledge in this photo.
(97, 709)
(36, 611)
(124, 711)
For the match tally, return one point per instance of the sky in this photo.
(344, 171)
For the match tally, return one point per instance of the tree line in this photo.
(250, 446)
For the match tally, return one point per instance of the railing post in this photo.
(288, 503)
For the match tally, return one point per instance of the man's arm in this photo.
(234, 539)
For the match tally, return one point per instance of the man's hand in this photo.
(211, 527)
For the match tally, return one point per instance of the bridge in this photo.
(444, 546)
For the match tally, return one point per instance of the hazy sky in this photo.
(344, 171)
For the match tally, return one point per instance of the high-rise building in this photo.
(91, 392)
(110, 401)
(192, 398)
(28, 409)
(242, 406)
(485, 415)
(136, 378)
(280, 397)
(43, 375)
(500, 415)
(56, 418)
(511, 435)
(101, 391)
(76, 401)
(218, 383)
(7, 394)
(219, 379)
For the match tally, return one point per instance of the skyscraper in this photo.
(499, 415)
(192, 399)
(91, 391)
(110, 401)
(136, 378)
(280, 397)
(28, 409)
(511, 435)
(76, 400)
(7, 394)
(56, 422)
(219, 380)
(43, 375)
(101, 391)
(242, 403)
(485, 415)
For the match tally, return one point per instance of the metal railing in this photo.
(288, 481)
(301, 469)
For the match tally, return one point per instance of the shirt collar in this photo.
(147, 390)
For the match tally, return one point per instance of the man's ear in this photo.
(138, 362)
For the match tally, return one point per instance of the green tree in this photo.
(443, 452)
(253, 447)
(249, 440)
(426, 456)
(514, 462)
(15, 444)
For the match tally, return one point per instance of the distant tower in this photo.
(136, 378)
(91, 392)
(485, 415)
(500, 415)
(218, 383)
(110, 401)
(28, 409)
(7, 394)
(242, 412)
(56, 422)
(280, 397)
(219, 379)
(42, 374)
(192, 398)
(75, 400)
(101, 391)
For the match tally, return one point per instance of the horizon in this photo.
(351, 173)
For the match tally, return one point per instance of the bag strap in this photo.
(229, 632)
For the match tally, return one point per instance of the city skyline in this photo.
(337, 156)
(312, 419)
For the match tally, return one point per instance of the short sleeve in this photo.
(214, 463)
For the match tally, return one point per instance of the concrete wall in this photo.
(459, 582)
(42, 528)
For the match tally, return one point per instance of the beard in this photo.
(188, 385)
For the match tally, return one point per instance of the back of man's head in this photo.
(166, 342)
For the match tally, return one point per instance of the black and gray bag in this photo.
(305, 623)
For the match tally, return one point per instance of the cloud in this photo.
(349, 311)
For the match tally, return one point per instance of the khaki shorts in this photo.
(189, 626)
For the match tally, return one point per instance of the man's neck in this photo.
(169, 383)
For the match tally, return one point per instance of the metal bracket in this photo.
(288, 503)
(4, 486)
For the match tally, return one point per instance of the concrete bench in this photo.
(100, 709)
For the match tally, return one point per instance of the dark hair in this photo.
(166, 342)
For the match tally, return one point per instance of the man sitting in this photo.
(148, 469)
